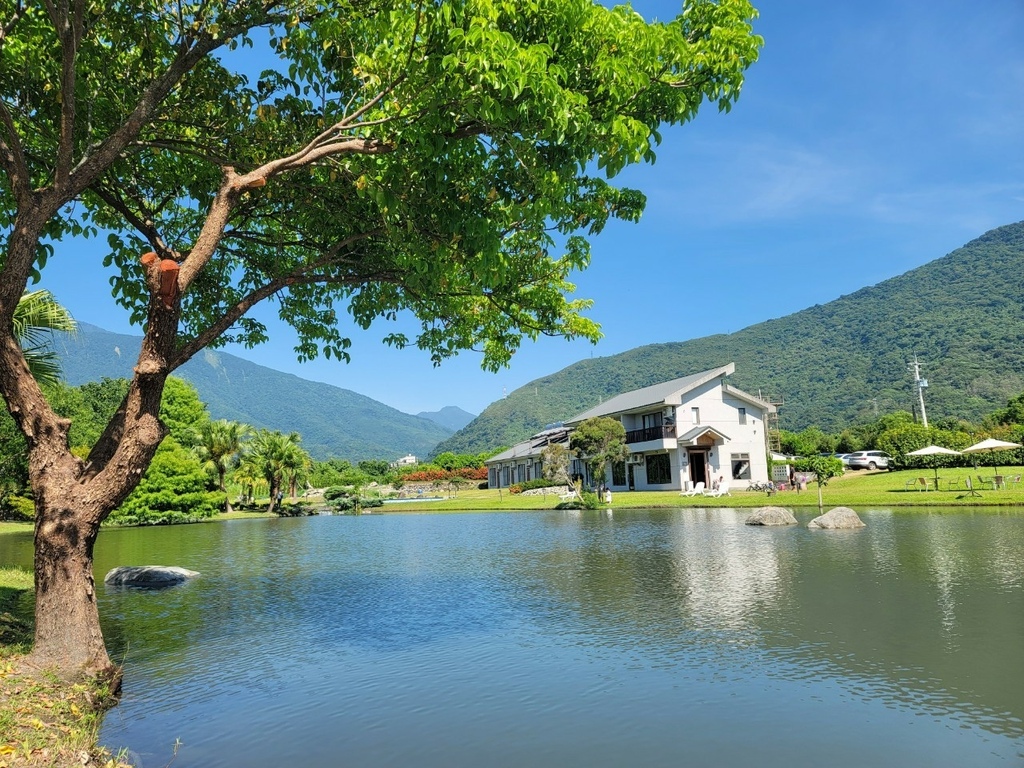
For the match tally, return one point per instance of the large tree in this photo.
(598, 442)
(445, 160)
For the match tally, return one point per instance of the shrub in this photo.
(17, 508)
(435, 474)
(296, 509)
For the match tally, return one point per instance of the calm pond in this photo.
(645, 638)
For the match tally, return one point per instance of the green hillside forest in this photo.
(832, 365)
(333, 422)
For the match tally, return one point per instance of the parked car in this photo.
(843, 457)
(869, 460)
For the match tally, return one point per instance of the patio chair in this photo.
(721, 490)
(910, 484)
(990, 482)
(923, 483)
(697, 490)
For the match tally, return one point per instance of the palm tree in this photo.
(219, 444)
(275, 456)
(36, 317)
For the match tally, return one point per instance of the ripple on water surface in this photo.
(651, 638)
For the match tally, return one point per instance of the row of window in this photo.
(658, 469)
(651, 420)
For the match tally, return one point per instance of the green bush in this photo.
(295, 509)
(173, 490)
(529, 485)
(354, 504)
(17, 508)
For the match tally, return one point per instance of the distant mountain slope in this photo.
(833, 364)
(450, 417)
(331, 420)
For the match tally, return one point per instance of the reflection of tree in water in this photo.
(922, 611)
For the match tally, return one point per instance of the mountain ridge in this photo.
(333, 422)
(450, 417)
(830, 365)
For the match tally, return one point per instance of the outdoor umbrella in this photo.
(990, 445)
(934, 450)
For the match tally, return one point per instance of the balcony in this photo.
(665, 431)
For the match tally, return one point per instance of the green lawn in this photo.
(857, 489)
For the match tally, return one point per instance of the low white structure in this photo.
(406, 461)
(688, 430)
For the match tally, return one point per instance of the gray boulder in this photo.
(838, 518)
(150, 576)
(771, 516)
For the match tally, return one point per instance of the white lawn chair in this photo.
(721, 490)
(697, 490)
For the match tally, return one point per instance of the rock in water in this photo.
(840, 517)
(152, 576)
(771, 516)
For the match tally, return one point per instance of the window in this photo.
(743, 415)
(618, 473)
(659, 470)
(651, 420)
(740, 465)
(695, 415)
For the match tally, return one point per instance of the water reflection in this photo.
(553, 639)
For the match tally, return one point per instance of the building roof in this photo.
(701, 430)
(665, 393)
(534, 446)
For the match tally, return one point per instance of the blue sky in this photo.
(871, 138)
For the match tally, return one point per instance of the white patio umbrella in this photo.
(990, 445)
(934, 450)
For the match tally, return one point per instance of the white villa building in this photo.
(697, 429)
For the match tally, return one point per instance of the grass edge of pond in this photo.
(45, 722)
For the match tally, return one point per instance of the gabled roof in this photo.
(699, 431)
(729, 389)
(665, 393)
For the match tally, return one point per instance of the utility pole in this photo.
(919, 385)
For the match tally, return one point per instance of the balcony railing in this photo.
(651, 433)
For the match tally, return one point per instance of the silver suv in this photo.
(869, 460)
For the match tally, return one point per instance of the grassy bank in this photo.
(44, 722)
(857, 489)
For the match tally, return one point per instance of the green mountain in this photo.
(450, 417)
(831, 365)
(332, 421)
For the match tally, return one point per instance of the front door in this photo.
(629, 477)
(698, 461)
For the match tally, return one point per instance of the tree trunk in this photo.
(223, 486)
(67, 633)
(275, 490)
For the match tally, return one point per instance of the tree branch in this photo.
(235, 313)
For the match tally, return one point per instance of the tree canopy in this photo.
(446, 160)
(597, 442)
